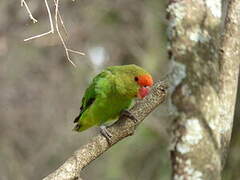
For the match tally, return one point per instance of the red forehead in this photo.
(145, 80)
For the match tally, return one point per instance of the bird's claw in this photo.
(106, 133)
(129, 115)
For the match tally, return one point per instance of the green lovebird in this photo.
(111, 93)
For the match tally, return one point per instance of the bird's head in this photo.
(132, 80)
(144, 82)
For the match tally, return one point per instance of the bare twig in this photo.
(23, 3)
(61, 20)
(51, 25)
(77, 52)
(124, 127)
(51, 31)
(67, 50)
(59, 34)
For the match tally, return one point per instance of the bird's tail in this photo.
(77, 127)
(82, 124)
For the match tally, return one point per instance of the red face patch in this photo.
(143, 91)
(145, 80)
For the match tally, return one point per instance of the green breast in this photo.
(107, 109)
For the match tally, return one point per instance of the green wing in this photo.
(88, 98)
(99, 86)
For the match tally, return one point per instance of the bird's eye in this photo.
(136, 78)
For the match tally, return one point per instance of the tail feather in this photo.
(78, 117)
(81, 126)
(77, 127)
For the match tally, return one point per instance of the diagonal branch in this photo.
(124, 127)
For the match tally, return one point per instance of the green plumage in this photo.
(110, 92)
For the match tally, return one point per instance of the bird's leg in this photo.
(129, 115)
(106, 133)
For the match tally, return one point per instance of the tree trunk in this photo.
(205, 62)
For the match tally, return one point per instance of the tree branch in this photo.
(124, 127)
(206, 67)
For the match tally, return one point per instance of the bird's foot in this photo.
(106, 133)
(129, 115)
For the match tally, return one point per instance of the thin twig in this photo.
(59, 34)
(67, 50)
(57, 16)
(77, 52)
(23, 3)
(51, 25)
(62, 22)
(123, 128)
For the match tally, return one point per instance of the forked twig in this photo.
(59, 34)
(51, 25)
(57, 17)
(62, 22)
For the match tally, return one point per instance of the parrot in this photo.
(110, 94)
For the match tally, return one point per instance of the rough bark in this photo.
(205, 69)
(98, 145)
